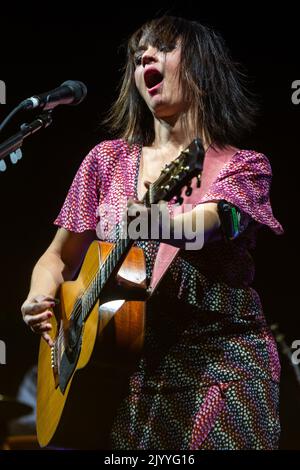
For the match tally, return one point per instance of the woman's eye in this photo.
(165, 48)
(138, 59)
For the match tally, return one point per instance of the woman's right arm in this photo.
(59, 263)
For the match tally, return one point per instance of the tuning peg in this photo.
(165, 169)
(198, 184)
(2, 165)
(184, 168)
(188, 191)
(15, 156)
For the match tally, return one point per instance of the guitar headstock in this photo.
(177, 174)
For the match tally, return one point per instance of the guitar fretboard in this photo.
(105, 271)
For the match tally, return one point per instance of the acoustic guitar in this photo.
(104, 304)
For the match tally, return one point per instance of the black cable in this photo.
(11, 114)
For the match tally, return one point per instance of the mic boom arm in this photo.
(16, 141)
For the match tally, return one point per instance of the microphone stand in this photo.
(15, 142)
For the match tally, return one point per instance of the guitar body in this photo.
(115, 323)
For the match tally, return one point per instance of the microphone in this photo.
(70, 92)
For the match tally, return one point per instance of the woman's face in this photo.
(157, 80)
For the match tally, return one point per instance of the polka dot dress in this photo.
(208, 376)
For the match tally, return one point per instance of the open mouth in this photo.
(152, 78)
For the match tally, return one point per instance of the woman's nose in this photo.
(149, 56)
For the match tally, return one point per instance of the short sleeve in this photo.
(80, 209)
(245, 182)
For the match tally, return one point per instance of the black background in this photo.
(45, 45)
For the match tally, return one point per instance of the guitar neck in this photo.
(106, 271)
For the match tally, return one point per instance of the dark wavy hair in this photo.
(221, 107)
